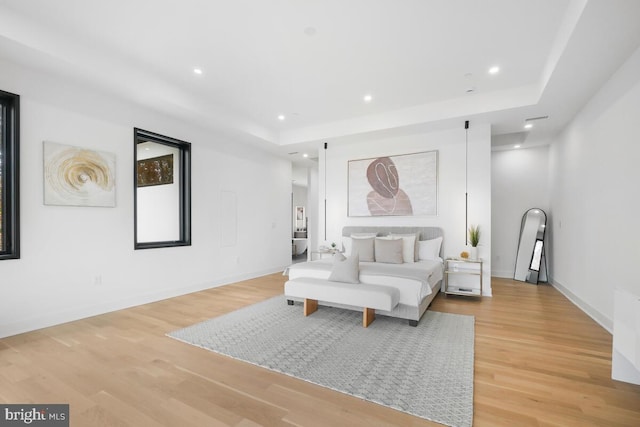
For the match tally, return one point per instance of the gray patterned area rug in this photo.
(425, 371)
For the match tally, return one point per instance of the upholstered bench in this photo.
(369, 297)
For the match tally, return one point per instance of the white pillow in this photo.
(388, 250)
(429, 249)
(345, 270)
(363, 235)
(363, 248)
(347, 242)
(408, 246)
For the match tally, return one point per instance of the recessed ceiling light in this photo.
(281, 117)
(305, 155)
(516, 146)
(197, 71)
(494, 70)
(528, 126)
(368, 98)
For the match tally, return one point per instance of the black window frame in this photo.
(10, 171)
(184, 162)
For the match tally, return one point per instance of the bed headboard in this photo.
(426, 233)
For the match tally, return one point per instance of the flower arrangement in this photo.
(474, 235)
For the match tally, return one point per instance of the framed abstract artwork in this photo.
(403, 185)
(76, 176)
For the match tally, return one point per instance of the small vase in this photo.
(473, 253)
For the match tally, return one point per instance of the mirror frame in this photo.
(533, 275)
(184, 162)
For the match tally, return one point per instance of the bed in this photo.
(417, 280)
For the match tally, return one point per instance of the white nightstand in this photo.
(463, 277)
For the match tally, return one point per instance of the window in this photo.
(9, 201)
(162, 191)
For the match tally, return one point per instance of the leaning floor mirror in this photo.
(530, 258)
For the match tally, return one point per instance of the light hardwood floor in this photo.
(539, 361)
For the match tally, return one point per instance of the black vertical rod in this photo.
(466, 183)
(325, 191)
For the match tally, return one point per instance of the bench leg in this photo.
(310, 306)
(368, 316)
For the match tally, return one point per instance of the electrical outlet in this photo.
(97, 280)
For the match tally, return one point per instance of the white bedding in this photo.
(414, 280)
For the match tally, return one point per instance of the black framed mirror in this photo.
(162, 191)
(530, 257)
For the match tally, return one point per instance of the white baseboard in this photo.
(502, 274)
(601, 319)
(56, 318)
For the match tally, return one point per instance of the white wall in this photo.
(450, 145)
(594, 197)
(66, 250)
(519, 181)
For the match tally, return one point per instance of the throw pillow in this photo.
(345, 270)
(410, 248)
(389, 250)
(363, 248)
(430, 249)
(346, 241)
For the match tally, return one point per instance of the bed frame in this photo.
(413, 314)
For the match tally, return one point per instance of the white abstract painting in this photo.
(404, 185)
(76, 176)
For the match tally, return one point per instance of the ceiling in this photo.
(424, 62)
